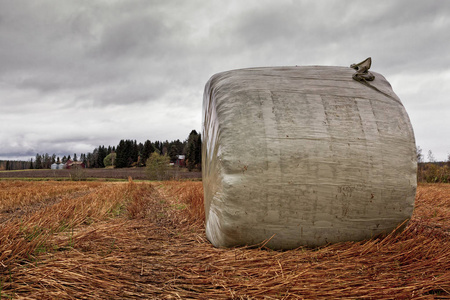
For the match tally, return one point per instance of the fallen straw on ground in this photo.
(146, 240)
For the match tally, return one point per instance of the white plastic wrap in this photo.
(306, 154)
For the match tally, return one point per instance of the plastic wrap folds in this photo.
(305, 156)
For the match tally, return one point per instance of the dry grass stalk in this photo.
(21, 236)
(19, 194)
(190, 194)
(164, 254)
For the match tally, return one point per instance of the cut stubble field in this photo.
(146, 240)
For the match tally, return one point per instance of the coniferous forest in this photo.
(128, 153)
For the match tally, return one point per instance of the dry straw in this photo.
(146, 241)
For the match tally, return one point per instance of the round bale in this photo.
(304, 156)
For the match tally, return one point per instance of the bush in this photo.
(77, 174)
(433, 173)
(109, 160)
(157, 167)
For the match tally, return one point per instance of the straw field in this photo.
(91, 240)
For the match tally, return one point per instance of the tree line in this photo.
(128, 153)
(432, 171)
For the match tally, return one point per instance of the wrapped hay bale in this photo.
(305, 155)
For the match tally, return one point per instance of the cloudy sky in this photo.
(78, 74)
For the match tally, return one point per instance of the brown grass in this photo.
(146, 241)
(191, 195)
(20, 194)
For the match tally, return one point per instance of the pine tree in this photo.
(158, 147)
(173, 152)
(101, 156)
(198, 152)
(83, 159)
(147, 150)
(130, 152)
(121, 159)
(94, 158)
(194, 150)
(176, 148)
(38, 161)
(46, 161)
(134, 151)
(190, 156)
(89, 160)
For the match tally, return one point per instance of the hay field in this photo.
(101, 240)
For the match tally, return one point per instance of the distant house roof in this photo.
(70, 163)
(181, 161)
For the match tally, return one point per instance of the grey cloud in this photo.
(137, 37)
(396, 33)
(121, 64)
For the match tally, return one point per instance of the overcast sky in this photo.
(78, 74)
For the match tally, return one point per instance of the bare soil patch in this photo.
(122, 173)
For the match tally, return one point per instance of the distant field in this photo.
(122, 173)
(146, 240)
